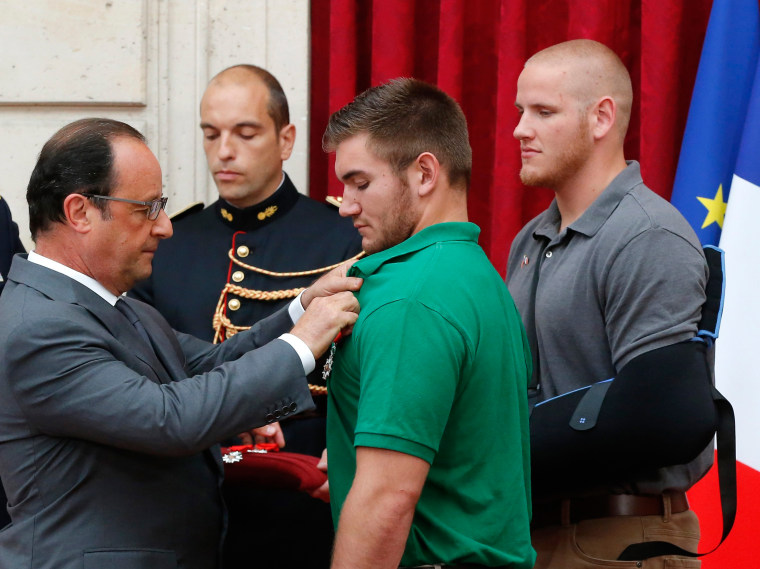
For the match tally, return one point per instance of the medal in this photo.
(327, 369)
(233, 457)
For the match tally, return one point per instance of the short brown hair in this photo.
(404, 118)
(77, 159)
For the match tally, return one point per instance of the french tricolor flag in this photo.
(717, 188)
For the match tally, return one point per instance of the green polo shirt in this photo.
(437, 367)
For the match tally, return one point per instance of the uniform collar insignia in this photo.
(267, 212)
(250, 218)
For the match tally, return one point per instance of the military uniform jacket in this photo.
(286, 233)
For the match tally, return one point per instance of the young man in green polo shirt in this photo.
(427, 414)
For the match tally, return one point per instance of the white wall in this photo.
(145, 62)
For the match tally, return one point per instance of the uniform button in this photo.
(234, 304)
(269, 418)
(293, 407)
(285, 411)
(277, 414)
(238, 276)
(243, 251)
(548, 254)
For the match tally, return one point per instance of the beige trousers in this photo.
(595, 544)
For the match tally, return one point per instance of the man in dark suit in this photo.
(238, 261)
(11, 244)
(109, 417)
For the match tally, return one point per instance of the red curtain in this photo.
(475, 50)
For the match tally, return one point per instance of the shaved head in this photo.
(592, 71)
(277, 106)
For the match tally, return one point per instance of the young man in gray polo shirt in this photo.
(620, 273)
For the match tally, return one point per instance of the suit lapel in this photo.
(60, 287)
(121, 329)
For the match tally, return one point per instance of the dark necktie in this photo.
(131, 315)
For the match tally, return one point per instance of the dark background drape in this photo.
(474, 50)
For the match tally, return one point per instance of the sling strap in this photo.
(534, 386)
(709, 327)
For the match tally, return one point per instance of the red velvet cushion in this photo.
(273, 469)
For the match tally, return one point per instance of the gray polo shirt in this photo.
(625, 278)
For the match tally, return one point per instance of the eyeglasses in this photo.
(155, 206)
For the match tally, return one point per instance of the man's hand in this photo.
(323, 492)
(331, 283)
(267, 434)
(324, 318)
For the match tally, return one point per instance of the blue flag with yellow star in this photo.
(717, 116)
(721, 154)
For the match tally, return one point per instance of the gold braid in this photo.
(253, 294)
(240, 263)
(221, 322)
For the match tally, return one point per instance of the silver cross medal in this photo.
(327, 369)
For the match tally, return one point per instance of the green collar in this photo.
(450, 231)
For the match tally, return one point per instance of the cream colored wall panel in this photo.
(287, 57)
(181, 72)
(73, 52)
(237, 29)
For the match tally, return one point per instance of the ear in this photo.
(287, 139)
(604, 116)
(427, 170)
(77, 210)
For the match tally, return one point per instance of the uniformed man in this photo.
(239, 260)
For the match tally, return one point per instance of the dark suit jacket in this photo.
(104, 446)
(10, 244)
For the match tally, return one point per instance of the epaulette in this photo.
(187, 210)
(334, 200)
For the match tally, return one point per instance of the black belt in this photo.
(607, 506)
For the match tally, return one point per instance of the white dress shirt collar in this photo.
(89, 282)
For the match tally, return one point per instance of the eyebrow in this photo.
(542, 104)
(252, 124)
(351, 173)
